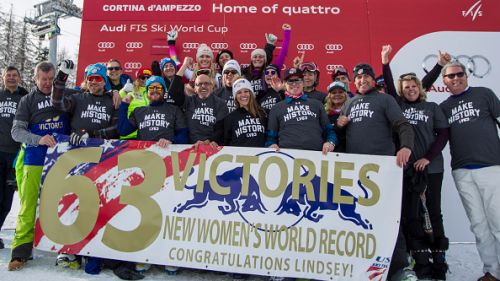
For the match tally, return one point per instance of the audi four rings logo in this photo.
(133, 65)
(334, 47)
(248, 46)
(305, 47)
(134, 45)
(106, 45)
(219, 45)
(477, 65)
(332, 67)
(190, 45)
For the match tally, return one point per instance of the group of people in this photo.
(212, 100)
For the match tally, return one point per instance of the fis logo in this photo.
(254, 207)
(474, 11)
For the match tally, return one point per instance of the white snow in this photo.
(463, 260)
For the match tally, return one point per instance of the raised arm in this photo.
(433, 75)
(57, 97)
(386, 71)
(287, 31)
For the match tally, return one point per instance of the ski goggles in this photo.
(308, 66)
(95, 78)
(203, 71)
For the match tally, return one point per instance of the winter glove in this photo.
(100, 134)
(128, 87)
(271, 38)
(65, 68)
(172, 36)
(76, 138)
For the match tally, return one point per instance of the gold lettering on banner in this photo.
(369, 184)
(339, 182)
(139, 196)
(57, 184)
(304, 180)
(264, 188)
(179, 184)
(216, 187)
(246, 161)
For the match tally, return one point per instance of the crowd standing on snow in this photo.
(213, 101)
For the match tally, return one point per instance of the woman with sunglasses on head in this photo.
(422, 219)
(138, 92)
(336, 98)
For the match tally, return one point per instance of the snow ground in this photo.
(463, 260)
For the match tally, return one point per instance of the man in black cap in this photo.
(341, 74)
(298, 121)
(370, 118)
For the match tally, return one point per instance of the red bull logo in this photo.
(250, 191)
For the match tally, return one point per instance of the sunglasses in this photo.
(143, 77)
(153, 88)
(308, 67)
(233, 72)
(452, 75)
(204, 71)
(294, 81)
(95, 79)
(203, 84)
(412, 74)
(270, 72)
(116, 68)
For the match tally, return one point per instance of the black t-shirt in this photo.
(226, 94)
(91, 112)
(241, 129)
(8, 107)
(299, 123)
(203, 118)
(154, 122)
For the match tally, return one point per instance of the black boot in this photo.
(423, 266)
(439, 266)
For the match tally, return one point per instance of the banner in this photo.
(291, 213)
(331, 33)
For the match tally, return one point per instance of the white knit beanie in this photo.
(203, 49)
(259, 52)
(232, 64)
(242, 83)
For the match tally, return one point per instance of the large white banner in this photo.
(291, 213)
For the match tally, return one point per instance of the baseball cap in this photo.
(340, 71)
(337, 84)
(293, 72)
(363, 68)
